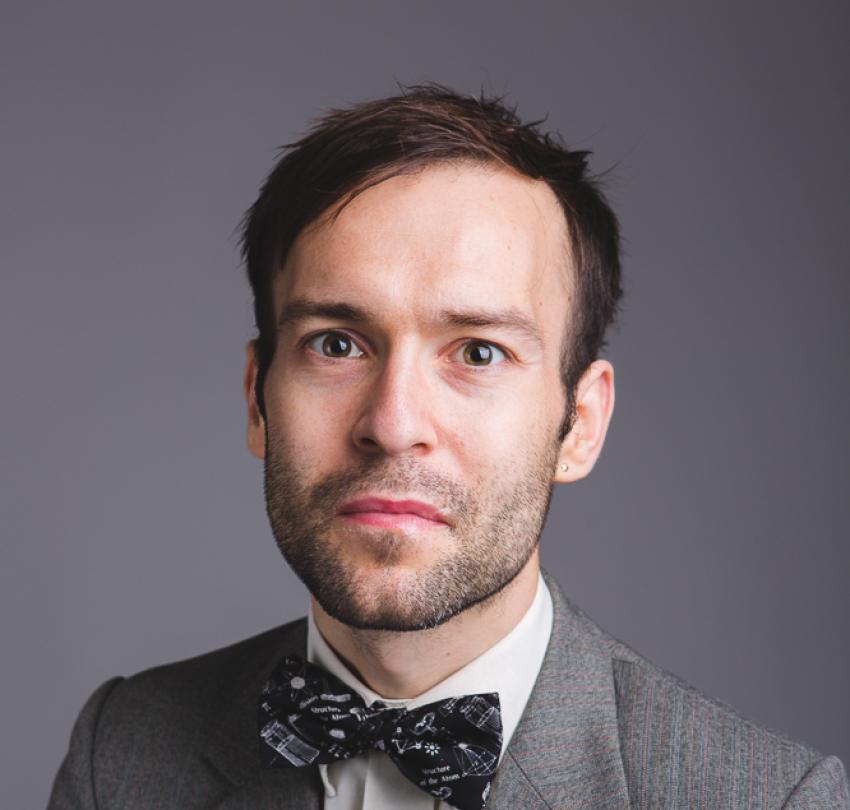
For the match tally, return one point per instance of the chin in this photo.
(388, 597)
(401, 599)
(389, 619)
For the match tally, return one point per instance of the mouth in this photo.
(388, 514)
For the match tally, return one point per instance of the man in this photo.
(433, 281)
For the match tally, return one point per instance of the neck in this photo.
(404, 665)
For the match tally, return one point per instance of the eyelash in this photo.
(305, 343)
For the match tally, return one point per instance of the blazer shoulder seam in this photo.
(108, 688)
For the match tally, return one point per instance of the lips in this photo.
(381, 511)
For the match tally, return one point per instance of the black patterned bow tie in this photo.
(449, 748)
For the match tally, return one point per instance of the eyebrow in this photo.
(301, 309)
(509, 319)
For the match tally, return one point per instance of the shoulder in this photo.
(190, 683)
(183, 694)
(701, 751)
(187, 723)
(684, 748)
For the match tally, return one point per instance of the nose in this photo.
(396, 412)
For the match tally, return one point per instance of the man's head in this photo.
(432, 283)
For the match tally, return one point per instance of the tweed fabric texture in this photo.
(604, 728)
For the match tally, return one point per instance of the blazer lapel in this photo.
(234, 757)
(278, 789)
(565, 752)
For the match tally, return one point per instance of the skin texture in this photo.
(398, 401)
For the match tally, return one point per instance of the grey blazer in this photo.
(604, 728)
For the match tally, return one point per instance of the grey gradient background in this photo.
(713, 534)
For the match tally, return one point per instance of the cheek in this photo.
(493, 442)
(315, 421)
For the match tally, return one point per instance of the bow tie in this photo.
(449, 748)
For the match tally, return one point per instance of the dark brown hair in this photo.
(349, 150)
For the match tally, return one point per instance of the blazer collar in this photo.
(565, 752)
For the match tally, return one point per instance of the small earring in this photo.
(564, 467)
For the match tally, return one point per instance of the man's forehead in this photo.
(457, 196)
(451, 238)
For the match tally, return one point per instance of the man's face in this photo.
(415, 396)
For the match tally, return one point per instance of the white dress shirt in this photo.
(371, 781)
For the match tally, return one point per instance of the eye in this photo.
(334, 344)
(479, 353)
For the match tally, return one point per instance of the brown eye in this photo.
(481, 354)
(334, 344)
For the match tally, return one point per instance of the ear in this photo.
(256, 423)
(594, 406)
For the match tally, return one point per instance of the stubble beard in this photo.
(495, 533)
